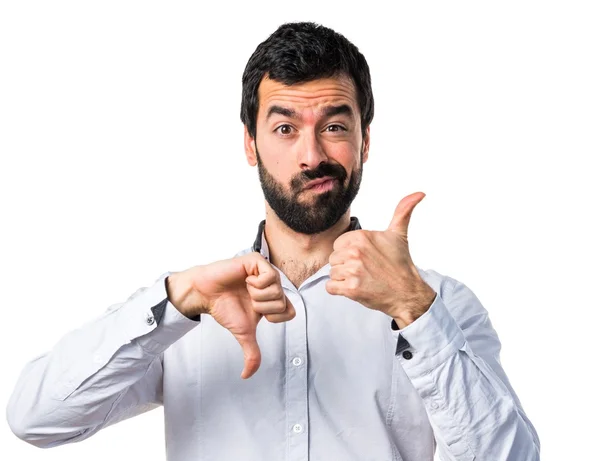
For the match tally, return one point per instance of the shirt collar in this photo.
(260, 242)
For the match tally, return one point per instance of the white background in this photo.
(122, 158)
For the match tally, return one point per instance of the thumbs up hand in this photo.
(375, 269)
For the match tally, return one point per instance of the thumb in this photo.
(403, 212)
(251, 352)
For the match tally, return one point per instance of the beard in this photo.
(319, 212)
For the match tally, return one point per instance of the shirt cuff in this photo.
(152, 321)
(431, 339)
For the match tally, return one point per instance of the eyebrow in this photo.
(329, 111)
(343, 109)
(282, 111)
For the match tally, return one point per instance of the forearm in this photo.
(83, 384)
(46, 409)
(473, 414)
(472, 409)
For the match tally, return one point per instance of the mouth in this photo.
(321, 184)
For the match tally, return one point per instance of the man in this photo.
(363, 356)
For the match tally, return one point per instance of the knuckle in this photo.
(280, 307)
(277, 292)
(272, 279)
(360, 236)
(341, 241)
(353, 284)
(354, 252)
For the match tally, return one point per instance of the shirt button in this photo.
(407, 355)
(297, 428)
(297, 361)
(434, 406)
(149, 319)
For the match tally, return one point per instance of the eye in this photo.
(335, 128)
(284, 130)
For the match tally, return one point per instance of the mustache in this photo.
(325, 169)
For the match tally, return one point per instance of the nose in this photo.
(312, 153)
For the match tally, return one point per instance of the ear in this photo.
(366, 143)
(249, 147)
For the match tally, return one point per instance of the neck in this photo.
(298, 255)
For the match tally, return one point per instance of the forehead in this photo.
(308, 95)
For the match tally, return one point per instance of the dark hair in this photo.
(300, 52)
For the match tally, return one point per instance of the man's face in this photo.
(306, 132)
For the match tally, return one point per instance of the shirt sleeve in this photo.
(451, 354)
(108, 370)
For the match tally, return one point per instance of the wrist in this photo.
(406, 317)
(407, 314)
(180, 293)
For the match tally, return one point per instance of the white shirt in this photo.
(335, 383)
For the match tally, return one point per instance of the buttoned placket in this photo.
(296, 390)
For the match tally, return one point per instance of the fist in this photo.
(237, 293)
(375, 268)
